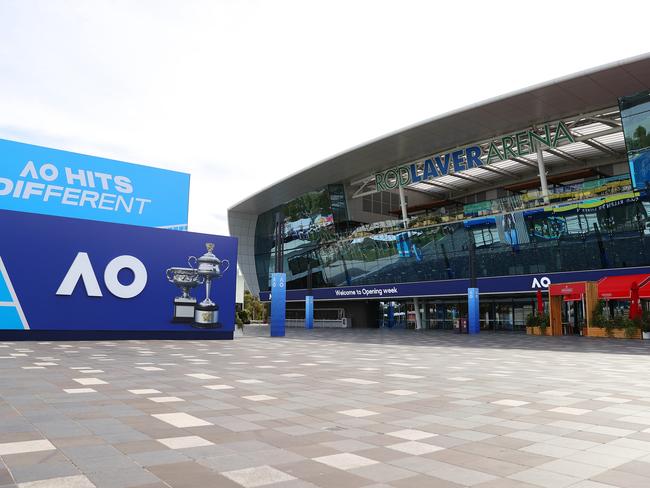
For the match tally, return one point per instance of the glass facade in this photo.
(591, 225)
(635, 117)
(306, 222)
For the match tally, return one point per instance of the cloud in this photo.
(243, 93)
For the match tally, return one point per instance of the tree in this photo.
(255, 309)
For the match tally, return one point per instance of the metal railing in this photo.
(319, 323)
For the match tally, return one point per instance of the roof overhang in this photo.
(588, 92)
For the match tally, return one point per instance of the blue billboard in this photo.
(61, 274)
(459, 287)
(53, 182)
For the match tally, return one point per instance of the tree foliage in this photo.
(255, 310)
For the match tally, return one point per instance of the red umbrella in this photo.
(635, 305)
(540, 302)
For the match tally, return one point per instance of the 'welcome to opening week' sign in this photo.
(49, 181)
(507, 147)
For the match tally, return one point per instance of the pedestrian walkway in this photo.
(327, 408)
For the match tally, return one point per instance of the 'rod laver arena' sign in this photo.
(507, 147)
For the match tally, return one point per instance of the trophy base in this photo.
(216, 325)
(184, 310)
(206, 316)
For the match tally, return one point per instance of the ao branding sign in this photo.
(507, 147)
(49, 181)
(82, 269)
(543, 282)
(81, 275)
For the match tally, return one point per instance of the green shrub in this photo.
(598, 318)
(531, 320)
(538, 320)
(645, 321)
(631, 326)
(610, 325)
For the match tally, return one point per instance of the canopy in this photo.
(570, 292)
(568, 289)
(644, 290)
(618, 287)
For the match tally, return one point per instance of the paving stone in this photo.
(328, 408)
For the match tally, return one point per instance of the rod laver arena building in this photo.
(545, 185)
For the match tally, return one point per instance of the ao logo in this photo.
(81, 268)
(541, 283)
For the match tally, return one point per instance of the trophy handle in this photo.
(189, 261)
(169, 278)
(227, 265)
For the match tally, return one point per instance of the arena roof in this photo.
(586, 100)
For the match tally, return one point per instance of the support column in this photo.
(473, 309)
(309, 312)
(278, 283)
(418, 317)
(473, 317)
(278, 304)
(309, 300)
(402, 203)
(542, 174)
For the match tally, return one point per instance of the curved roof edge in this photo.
(592, 89)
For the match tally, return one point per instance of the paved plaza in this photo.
(327, 408)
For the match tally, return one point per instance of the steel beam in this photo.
(525, 162)
(601, 147)
(563, 154)
(501, 171)
(467, 177)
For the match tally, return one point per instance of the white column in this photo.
(542, 173)
(418, 318)
(402, 202)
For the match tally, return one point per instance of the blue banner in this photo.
(309, 312)
(473, 317)
(80, 275)
(278, 303)
(53, 182)
(498, 284)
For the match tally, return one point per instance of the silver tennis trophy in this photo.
(185, 279)
(206, 313)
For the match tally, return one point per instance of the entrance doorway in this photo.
(393, 315)
(573, 317)
(571, 307)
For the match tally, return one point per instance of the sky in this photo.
(242, 93)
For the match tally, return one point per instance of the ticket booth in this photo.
(573, 300)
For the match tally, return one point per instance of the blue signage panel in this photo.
(53, 182)
(309, 312)
(473, 318)
(61, 274)
(497, 284)
(278, 303)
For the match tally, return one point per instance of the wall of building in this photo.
(242, 225)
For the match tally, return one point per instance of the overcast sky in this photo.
(242, 93)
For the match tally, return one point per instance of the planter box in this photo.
(537, 331)
(616, 333)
